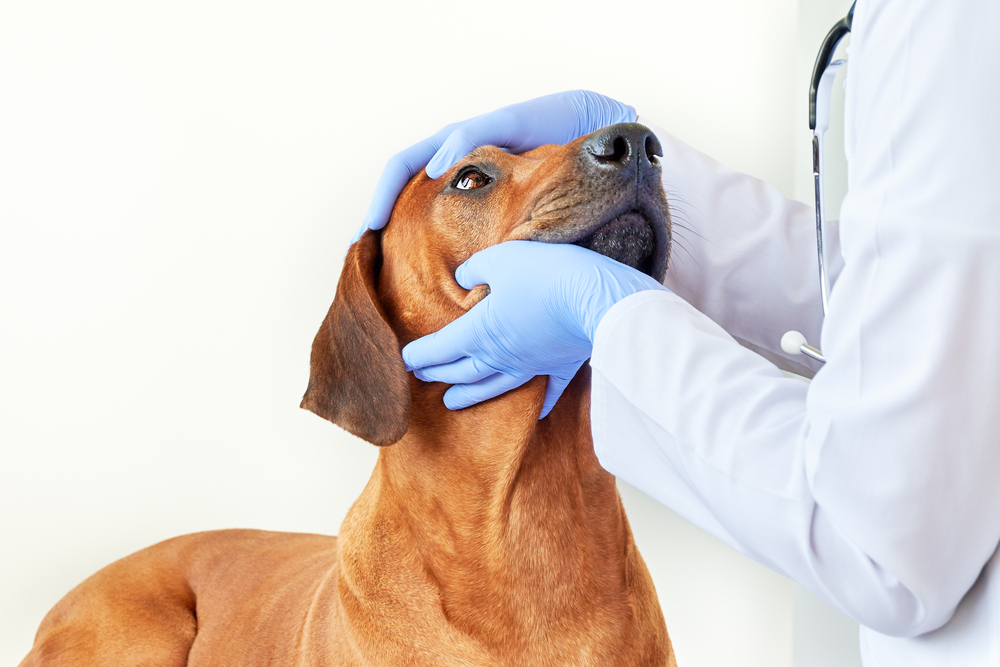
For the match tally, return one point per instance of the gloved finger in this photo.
(361, 230)
(449, 344)
(477, 269)
(463, 371)
(397, 173)
(497, 128)
(463, 395)
(556, 386)
(597, 111)
(455, 147)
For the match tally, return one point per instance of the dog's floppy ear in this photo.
(357, 378)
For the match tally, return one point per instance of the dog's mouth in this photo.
(630, 224)
(627, 238)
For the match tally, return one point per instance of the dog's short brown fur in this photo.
(484, 537)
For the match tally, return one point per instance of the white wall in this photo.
(178, 182)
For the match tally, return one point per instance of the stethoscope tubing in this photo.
(820, 89)
(830, 43)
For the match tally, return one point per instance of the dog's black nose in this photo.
(626, 146)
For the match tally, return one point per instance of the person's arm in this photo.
(743, 253)
(875, 486)
(737, 240)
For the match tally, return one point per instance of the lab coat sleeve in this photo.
(743, 253)
(875, 486)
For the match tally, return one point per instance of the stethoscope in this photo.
(824, 72)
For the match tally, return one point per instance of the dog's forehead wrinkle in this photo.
(486, 153)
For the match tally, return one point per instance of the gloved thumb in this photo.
(497, 128)
(484, 265)
(455, 147)
(556, 386)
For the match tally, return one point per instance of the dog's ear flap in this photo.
(357, 379)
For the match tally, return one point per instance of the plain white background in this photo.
(178, 183)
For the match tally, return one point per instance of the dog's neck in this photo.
(488, 522)
(511, 520)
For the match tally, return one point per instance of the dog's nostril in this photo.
(615, 152)
(622, 147)
(652, 149)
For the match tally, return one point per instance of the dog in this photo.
(485, 536)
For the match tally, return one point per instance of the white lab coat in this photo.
(877, 486)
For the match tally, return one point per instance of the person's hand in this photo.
(554, 119)
(540, 317)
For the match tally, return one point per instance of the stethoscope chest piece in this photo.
(795, 343)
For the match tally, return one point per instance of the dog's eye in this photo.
(471, 180)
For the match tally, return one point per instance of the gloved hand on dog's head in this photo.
(553, 119)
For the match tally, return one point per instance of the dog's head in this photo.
(602, 191)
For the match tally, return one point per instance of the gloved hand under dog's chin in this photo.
(545, 304)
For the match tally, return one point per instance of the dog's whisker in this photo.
(686, 228)
(685, 249)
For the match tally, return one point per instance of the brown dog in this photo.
(485, 536)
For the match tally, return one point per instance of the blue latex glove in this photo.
(540, 318)
(554, 119)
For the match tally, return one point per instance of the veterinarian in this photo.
(877, 486)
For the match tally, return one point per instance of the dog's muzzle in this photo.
(634, 229)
